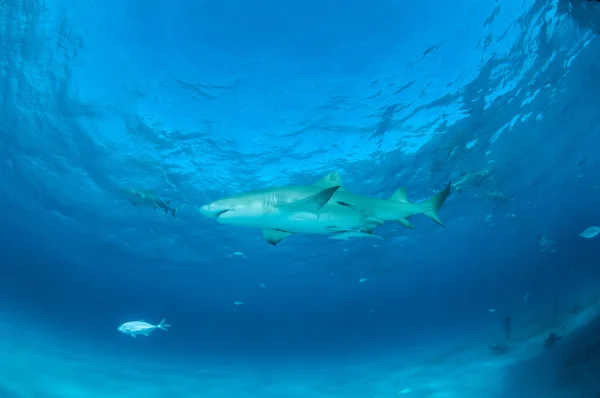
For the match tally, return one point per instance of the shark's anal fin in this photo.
(405, 222)
(274, 236)
(370, 223)
(374, 220)
(332, 179)
(312, 204)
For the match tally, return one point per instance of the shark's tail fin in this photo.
(432, 206)
(173, 211)
(163, 326)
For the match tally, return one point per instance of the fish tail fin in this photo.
(432, 206)
(163, 326)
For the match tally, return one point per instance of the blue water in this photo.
(200, 100)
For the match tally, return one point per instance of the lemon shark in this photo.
(324, 207)
(148, 198)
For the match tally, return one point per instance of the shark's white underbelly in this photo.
(326, 222)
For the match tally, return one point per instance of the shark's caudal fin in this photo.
(429, 207)
(433, 205)
(163, 326)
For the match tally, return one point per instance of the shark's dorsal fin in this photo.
(332, 179)
(274, 236)
(400, 195)
(312, 204)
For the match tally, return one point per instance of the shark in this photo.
(324, 207)
(148, 198)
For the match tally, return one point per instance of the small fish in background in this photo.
(590, 232)
(552, 339)
(492, 311)
(239, 303)
(499, 349)
(577, 309)
(262, 285)
(141, 327)
(546, 244)
(237, 254)
(363, 280)
(507, 327)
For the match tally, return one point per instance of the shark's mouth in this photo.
(219, 214)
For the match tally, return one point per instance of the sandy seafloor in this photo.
(35, 364)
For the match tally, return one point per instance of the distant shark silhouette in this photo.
(321, 208)
(149, 199)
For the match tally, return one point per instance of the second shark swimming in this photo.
(149, 199)
(324, 207)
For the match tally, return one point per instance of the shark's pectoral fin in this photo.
(312, 204)
(274, 236)
(332, 179)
